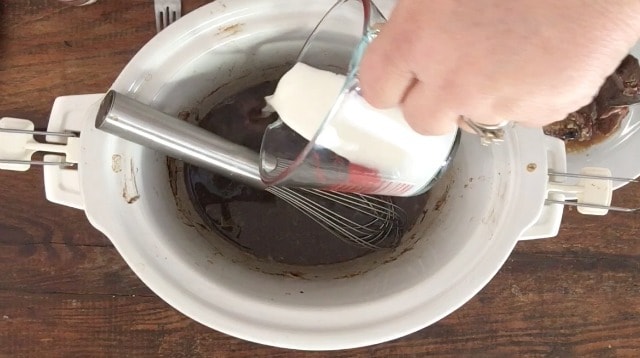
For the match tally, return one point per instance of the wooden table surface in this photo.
(64, 290)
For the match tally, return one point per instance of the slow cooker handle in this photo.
(61, 178)
(69, 113)
(548, 223)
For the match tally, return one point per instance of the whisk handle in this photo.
(137, 122)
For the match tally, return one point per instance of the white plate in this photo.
(619, 152)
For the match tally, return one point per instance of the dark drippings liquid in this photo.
(255, 220)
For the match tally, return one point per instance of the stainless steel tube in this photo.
(139, 123)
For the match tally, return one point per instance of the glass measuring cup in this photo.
(337, 141)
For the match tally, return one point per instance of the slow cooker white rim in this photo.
(194, 308)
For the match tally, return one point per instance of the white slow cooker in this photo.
(490, 198)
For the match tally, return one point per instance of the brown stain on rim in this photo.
(116, 163)
(440, 202)
(231, 29)
(130, 191)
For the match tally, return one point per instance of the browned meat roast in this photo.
(600, 118)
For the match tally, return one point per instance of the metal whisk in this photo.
(360, 220)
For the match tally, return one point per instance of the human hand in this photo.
(526, 61)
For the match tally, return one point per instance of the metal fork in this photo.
(167, 12)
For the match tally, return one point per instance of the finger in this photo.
(481, 110)
(384, 78)
(490, 112)
(427, 112)
(493, 110)
(463, 124)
